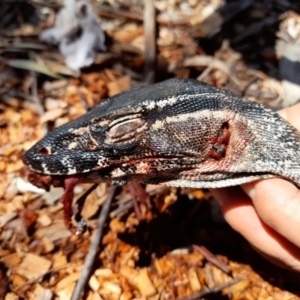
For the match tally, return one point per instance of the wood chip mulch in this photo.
(181, 248)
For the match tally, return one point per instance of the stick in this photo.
(89, 261)
(150, 41)
(215, 289)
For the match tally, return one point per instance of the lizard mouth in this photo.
(45, 181)
(68, 182)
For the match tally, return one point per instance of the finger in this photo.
(277, 202)
(291, 114)
(241, 215)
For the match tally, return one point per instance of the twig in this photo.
(137, 192)
(118, 211)
(215, 289)
(89, 261)
(205, 73)
(208, 61)
(150, 41)
(211, 258)
(134, 202)
(40, 278)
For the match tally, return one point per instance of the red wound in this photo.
(220, 143)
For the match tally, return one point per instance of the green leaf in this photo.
(32, 65)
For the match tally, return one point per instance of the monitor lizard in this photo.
(179, 132)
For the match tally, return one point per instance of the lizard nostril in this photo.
(44, 151)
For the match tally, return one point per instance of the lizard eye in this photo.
(125, 132)
(122, 132)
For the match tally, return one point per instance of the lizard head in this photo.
(175, 129)
(178, 132)
(141, 131)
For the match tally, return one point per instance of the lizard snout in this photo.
(62, 153)
(43, 158)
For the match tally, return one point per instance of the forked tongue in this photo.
(67, 201)
(68, 183)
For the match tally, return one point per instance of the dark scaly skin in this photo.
(179, 132)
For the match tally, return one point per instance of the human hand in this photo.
(267, 212)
